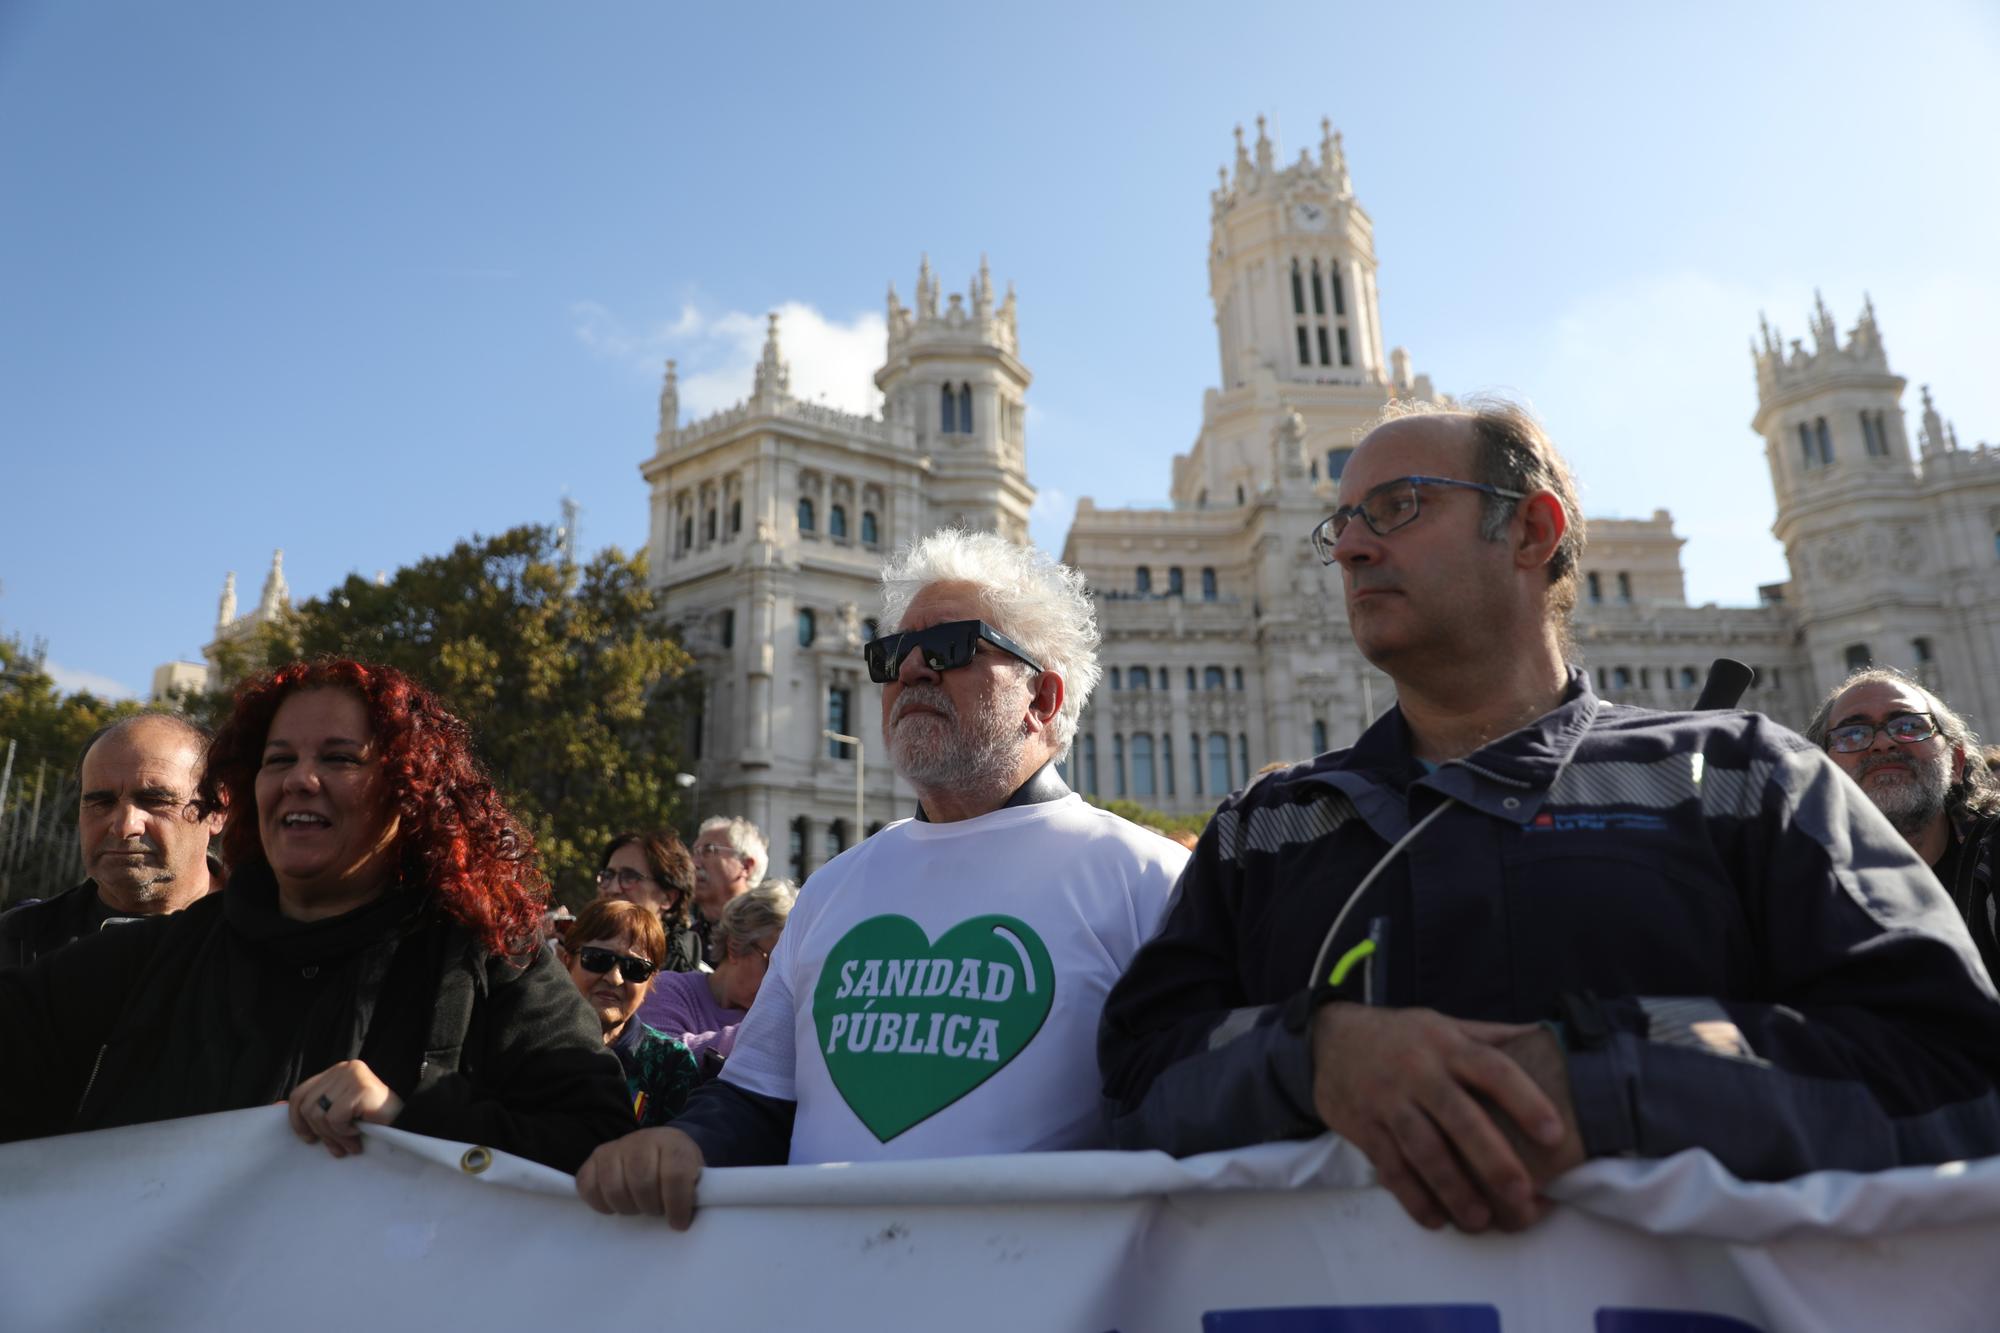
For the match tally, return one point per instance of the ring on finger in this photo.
(325, 1102)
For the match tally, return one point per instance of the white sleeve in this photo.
(763, 1060)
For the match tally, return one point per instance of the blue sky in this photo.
(359, 280)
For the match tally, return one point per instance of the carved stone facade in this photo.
(770, 522)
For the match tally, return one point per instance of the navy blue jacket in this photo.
(1745, 956)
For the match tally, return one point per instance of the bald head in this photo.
(142, 841)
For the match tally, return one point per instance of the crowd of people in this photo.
(1512, 927)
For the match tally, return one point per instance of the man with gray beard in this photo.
(1922, 767)
(937, 988)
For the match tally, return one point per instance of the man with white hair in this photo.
(937, 989)
(730, 857)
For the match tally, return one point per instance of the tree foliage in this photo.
(576, 700)
(1157, 820)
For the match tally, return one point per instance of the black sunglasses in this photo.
(946, 647)
(635, 970)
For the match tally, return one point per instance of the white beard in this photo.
(947, 751)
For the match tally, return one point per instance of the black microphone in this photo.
(1727, 679)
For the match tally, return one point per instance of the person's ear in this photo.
(1044, 703)
(1539, 528)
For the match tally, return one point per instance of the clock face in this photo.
(1311, 217)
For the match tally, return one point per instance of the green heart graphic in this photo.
(908, 1027)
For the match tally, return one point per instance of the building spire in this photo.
(225, 611)
(670, 401)
(1933, 439)
(1242, 158)
(774, 377)
(982, 292)
(1825, 337)
(277, 595)
(926, 290)
(1263, 147)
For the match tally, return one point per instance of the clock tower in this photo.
(1291, 270)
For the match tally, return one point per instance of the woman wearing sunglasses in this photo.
(613, 951)
(375, 956)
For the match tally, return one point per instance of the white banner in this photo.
(229, 1222)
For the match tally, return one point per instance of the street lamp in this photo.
(860, 765)
(691, 784)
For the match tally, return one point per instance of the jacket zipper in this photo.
(95, 1065)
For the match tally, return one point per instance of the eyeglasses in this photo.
(1388, 507)
(599, 961)
(714, 849)
(625, 876)
(1903, 728)
(946, 647)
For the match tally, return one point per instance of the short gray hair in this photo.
(751, 915)
(1976, 794)
(1035, 599)
(744, 837)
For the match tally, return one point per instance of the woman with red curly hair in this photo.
(374, 958)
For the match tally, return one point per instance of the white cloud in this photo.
(832, 361)
(1049, 519)
(71, 681)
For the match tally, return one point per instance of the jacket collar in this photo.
(1508, 778)
(1045, 784)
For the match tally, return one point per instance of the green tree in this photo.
(578, 703)
(47, 729)
(1157, 820)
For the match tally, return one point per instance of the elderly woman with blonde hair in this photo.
(703, 1008)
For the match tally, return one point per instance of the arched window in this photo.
(870, 629)
(1218, 764)
(1319, 736)
(1212, 678)
(726, 628)
(1858, 656)
(1207, 585)
(1298, 291)
(798, 849)
(1621, 678)
(1689, 679)
(708, 526)
(1142, 765)
(1624, 586)
(1176, 584)
(1194, 760)
(1141, 679)
(1167, 762)
(1336, 462)
(1191, 687)
(836, 523)
(1236, 677)
(1595, 586)
(1115, 679)
(948, 410)
(735, 517)
(1090, 764)
(1319, 297)
(836, 838)
(1825, 441)
(1117, 765)
(805, 513)
(687, 533)
(870, 534)
(808, 627)
(965, 409)
(1142, 582)
(1339, 295)
(1243, 754)
(1239, 489)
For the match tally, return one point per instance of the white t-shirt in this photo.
(937, 988)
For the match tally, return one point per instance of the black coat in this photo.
(228, 1004)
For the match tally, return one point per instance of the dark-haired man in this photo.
(1922, 766)
(144, 847)
(1516, 926)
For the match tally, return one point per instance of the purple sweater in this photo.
(680, 1006)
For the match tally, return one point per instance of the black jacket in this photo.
(1745, 956)
(228, 1005)
(33, 929)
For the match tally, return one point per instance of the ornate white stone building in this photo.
(1226, 646)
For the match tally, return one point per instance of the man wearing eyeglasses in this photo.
(937, 987)
(1922, 767)
(1515, 926)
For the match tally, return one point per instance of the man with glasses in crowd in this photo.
(730, 857)
(937, 988)
(1515, 926)
(1922, 766)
